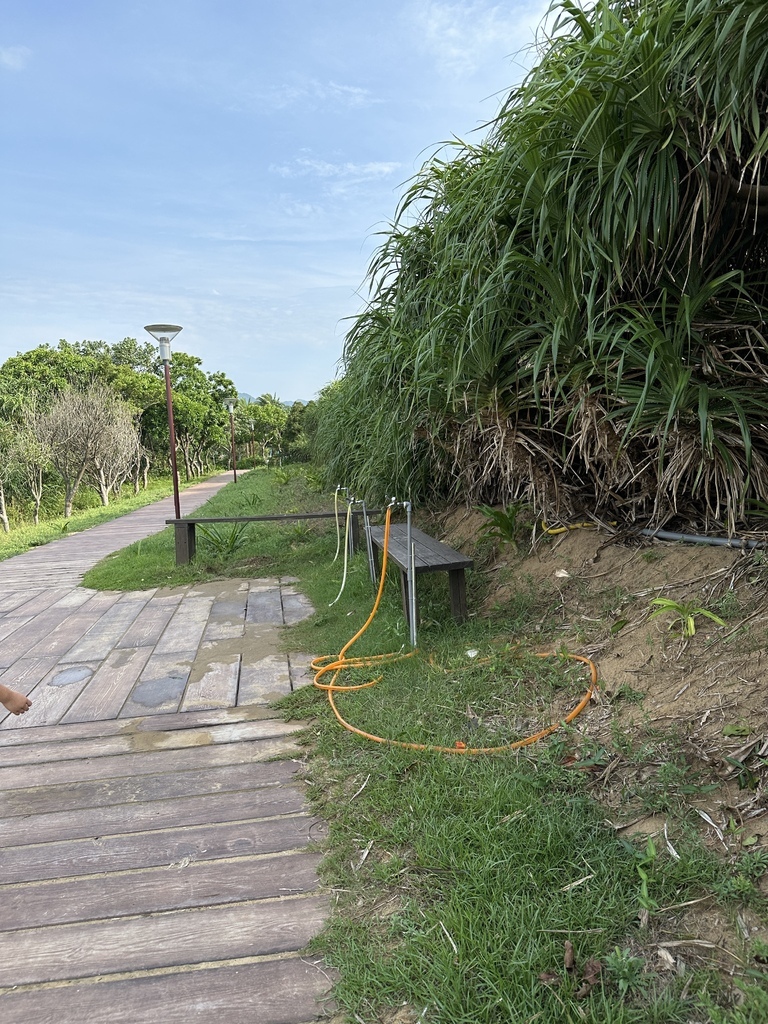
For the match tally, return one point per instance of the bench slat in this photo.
(431, 555)
(287, 517)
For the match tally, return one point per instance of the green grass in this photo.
(261, 550)
(459, 879)
(22, 538)
(479, 868)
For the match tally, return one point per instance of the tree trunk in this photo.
(36, 487)
(70, 490)
(3, 511)
(103, 487)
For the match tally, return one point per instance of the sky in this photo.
(226, 165)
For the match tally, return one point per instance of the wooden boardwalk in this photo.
(157, 861)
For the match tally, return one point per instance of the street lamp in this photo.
(230, 403)
(164, 335)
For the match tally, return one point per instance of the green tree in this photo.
(266, 419)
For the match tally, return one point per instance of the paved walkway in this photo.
(154, 854)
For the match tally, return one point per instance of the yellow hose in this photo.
(552, 530)
(340, 662)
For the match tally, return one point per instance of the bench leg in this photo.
(186, 545)
(376, 564)
(458, 590)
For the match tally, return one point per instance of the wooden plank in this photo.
(201, 884)
(224, 630)
(227, 617)
(185, 630)
(11, 600)
(100, 747)
(35, 955)
(20, 642)
(296, 606)
(213, 687)
(104, 746)
(145, 723)
(10, 625)
(160, 686)
(109, 687)
(148, 626)
(131, 789)
(66, 634)
(265, 681)
(168, 848)
(120, 819)
(41, 599)
(264, 606)
(458, 594)
(23, 675)
(54, 694)
(105, 634)
(285, 517)
(150, 762)
(431, 555)
(300, 667)
(285, 991)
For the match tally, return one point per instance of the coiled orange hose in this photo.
(339, 663)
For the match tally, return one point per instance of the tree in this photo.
(117, 453)
(86, 431)
(33, 456)
(268, 416)
(45, 371)
(7, 465)
(295, 440)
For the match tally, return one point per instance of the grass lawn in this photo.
(491, 888)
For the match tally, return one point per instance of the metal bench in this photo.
(430, 555)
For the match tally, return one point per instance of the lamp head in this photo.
(163, 335)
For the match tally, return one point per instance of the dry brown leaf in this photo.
(569, 958)
(547, 978)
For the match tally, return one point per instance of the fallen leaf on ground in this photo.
(547, 978)
(569, 959)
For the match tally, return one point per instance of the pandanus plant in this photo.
(573, 312)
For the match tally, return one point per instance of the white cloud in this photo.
(314, 93)
(463, 37)
(304, 167)
(292, 207)
(14, 58)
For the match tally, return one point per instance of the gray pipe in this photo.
(410, 576)
(693, 538)
(369, 544)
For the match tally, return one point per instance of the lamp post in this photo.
(231, 407)
(164, 335)
(253, 445)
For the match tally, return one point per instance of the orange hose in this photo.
(339, 663)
